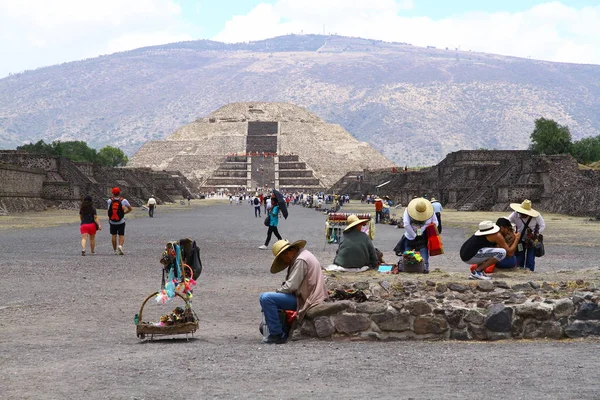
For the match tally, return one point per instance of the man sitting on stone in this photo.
(304, 286)
(487, 246)
(356, 249)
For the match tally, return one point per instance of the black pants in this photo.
(439, 217)
(272, 229)
(151, 211)
(256, 211)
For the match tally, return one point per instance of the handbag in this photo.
(434, 241)
(399, 249)
(267, 220)
(538, 247)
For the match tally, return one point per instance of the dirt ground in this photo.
(67, 332)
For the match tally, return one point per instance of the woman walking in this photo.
(90, 224)
(273, 222)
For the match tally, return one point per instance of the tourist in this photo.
(418, 215)
(356, 249)
(151, 205)
(378, 210)
(530, 224)
(273, 222)
(256, 202)
(117, 208)
(230, 200)
(487, 246)
(189, 198)
(437, 209)
(90, 224)
(268, 204)
(510, 261)
(304, 287)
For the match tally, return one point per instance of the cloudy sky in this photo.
(36, 33)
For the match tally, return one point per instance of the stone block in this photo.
(397, 321)
(501, 284)
(454, 316)
(539, 311)
(351, 323)
(371, 307)
(563, 308)
(457, 287)
(329, 308)
(485, 286)
(498, 335)
(418, 307)
(588, 311)
(579, 329)
(524, 287)
(499, 318)
(474, 317)
(441, 288)
(428, 324)
(459, 334)
(324, 327)
(477, 332)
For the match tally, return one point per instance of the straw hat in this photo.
(279, 247)
(420, 209)
(487, 228)
(352, 221)
(433, 199)
(525, 208)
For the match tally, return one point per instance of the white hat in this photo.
(487, 228)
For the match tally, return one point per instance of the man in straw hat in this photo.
(417, 216)
(487, 246)
(530, 224)
(304, 286)
(356, 249)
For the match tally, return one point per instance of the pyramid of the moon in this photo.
(249, 145)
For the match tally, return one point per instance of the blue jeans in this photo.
(508, 262)
(424, 253)
(270, 302)
(526, 259)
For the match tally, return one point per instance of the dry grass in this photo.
(40, 219)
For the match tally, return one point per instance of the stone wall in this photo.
(31, 181)
(484, 310)
(472, 180)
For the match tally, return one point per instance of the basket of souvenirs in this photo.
(181, 267)
(411, 261)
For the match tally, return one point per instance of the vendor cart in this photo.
(177, 282)
(336, 223)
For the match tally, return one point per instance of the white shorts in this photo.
(486, 253)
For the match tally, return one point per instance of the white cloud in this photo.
(549, 31)
(36, 33)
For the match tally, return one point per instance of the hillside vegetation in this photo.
(413, 104)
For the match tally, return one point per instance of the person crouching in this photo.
(304, 286)
(487, 246)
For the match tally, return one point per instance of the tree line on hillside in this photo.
(79, 151)
(549, 137)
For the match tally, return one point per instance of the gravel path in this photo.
(66, 324)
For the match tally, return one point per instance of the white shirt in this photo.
(411, 229)
(437, 207)
(151, 201)
(520, 222)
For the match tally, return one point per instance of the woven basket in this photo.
(144, 328)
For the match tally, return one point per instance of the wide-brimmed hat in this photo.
(487, 228)
(420, 209)
(433, 199)
(525, 208)
(279, 247)
(352, 221)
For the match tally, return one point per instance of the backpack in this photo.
(115, 211)
(256, 201)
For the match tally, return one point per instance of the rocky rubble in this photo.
(480, 310)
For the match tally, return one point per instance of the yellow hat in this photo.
(525, 208)
(420, 209)
(278, 248)
(352, 221)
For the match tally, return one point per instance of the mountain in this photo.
(412, 104)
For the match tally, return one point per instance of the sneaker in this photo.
(275, 339)
(83, 252)
(479, 275)
(120, 250)
(116, 254)
(93, 252)
(263, 247)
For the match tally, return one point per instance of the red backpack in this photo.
(115, 211)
